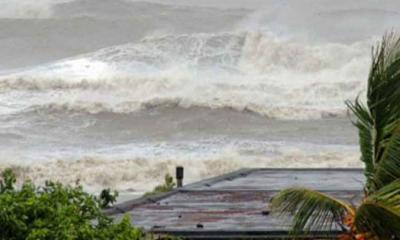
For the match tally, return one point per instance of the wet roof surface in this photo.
(236, 202)
(278, 179)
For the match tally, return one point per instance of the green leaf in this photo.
(311, 210)
(167, 186)
(9, 179)
(380, 213)
(364, 124)
(384, 89)
(57, 211)
(388, 168)
(377, 121)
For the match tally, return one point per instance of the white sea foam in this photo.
(142, 174)
(249, 71)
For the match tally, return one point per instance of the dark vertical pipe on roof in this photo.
(179, 176)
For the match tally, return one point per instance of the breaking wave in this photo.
(140, 174)
(245, 71)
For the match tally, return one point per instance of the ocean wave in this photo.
(141, 174)
(281, 112)
(245, 71)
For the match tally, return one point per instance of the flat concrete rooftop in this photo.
(235, 205)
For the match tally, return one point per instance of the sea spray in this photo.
(245, 71)
(140, 175)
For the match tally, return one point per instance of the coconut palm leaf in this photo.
(383, 94)
(365, 130)
(377, 121)
(311, 210)
(388, 169)
(379, 214)
(384, 84)
(383, 102)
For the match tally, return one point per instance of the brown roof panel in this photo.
(235, 204)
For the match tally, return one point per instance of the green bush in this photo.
(59, 212)
(168, 185)
(107, 198)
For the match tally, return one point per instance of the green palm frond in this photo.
(377, 120)
(383, 84)
(364, 124)
(311, 210)
(383, 102)
(380, 212)
(388, 169)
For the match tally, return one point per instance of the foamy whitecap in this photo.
(245, 71)
(142, 174)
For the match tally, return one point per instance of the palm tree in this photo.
(378, 123)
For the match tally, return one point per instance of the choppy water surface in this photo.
(117, 93)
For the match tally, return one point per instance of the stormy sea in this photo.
(116, 93)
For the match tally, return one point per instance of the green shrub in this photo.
(168, 185)
(107, 198)
(9, 179)
(59, 212)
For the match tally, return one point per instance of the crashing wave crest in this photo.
(140, 174)
(246, 71)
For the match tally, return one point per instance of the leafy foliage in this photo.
(107, 198)
(9, 179)
(380, 212)
(366, 135)
(379, 120)
(311, 209)
(54, 211)
(167, 186)
(378, 123)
